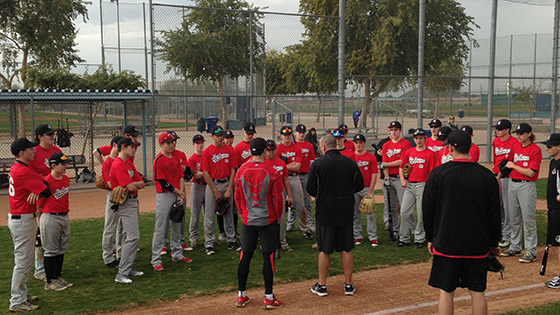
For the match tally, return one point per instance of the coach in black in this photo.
(461, 230)
(333, 180)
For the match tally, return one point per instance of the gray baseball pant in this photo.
(412, 198)
(39, 259)
(129, 217)
(371, 222)
(23, 232)
(506, 225)
(55, 234)
(299, 206)
(109, 241)
(522, 207)
(198, 192)
(164, 203)
(283, 241)
(210, 215)
(396, 193)
(307, 201)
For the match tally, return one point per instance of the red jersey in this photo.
(367, 163)
(502, 150)
(393, 151)
(58, 201)
(182, 158)
(40, 162)
(106, 150)
(291, 152)
(124, 173)
(195, 163)
(279, 166)
(242, 152)
(422, 163)
(168, 169)
(307, 155)
(258, 194)
(474, 153)
(347, 152)
(434, 145)
(443, 156)
(526, 157)
(218, 162)
(23, 181)
(350, 145)
(106, 169)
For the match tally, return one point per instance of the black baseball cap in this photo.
(443, 133)
(116, 139)
(257, 146)
(174, 134)
(58, 158)
(312, 129)
(249, 128)
(459, 138)
(419, 132)
(217, 131)
(359, 137)
(523, 128)
(270, 145)
(435, 123)
(553, 140)
(131, 130)
(343, 128)
(286, 130)
(22, 144)
(301, 128)
(395, 124)
(124, 142)
(229, 134)
(468, 129)
(197, 138)
(44, 129)
(337, 133)
(503, 124)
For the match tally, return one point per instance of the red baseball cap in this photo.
(165, 137)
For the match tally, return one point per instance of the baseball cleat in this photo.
(527, 258)
(242, 301)
(374, 243)
(554, 283)
(358, 242)
(210, 251)
(510, 252)
(41, 277)
(24, 307)
(272, 304)
(186, 247)
(320, 290)
(54, 286)
(134, 273)
(503, 244)
(184, 259)
(158, 267)
(349, 289)
(113, 264)
(64, 283)
(164, 251)
(401, 244)
(307, 236)
(287, 248)
(234, 246)
(122, 279)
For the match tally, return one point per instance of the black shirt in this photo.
(552, 185)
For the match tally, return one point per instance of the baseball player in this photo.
(367, 163)
(341, 144)
(443, 155)
(344, 130)
(392, 151)
(307, 158)
(291, 153)
(474, 152)
(228, 140)
(553, 199)
(258, 196)
(170, 187)
(45, 135)
(111, 235)
(124, 174)
(130, 131)
(422, 161)
(198, 189)
(433, 143)
(524, 161)
(218, 166)
(55, 225)
(25, 188)
(502, 146)
(280, 166)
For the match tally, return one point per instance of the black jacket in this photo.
(552, 185)
(333, 180)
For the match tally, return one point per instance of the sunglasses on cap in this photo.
(286, 131)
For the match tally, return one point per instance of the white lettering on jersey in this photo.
(217, 157)
(198, 166)
(278, 168)
(520, 157)
(46, 162)
(501, 151)
(288, 154)
(245, 154)
(446, 158)
(304, 150)
(363, 163)
(435, 148)
(392, 152)
(59, 193)
(416, 160)
(130, 173)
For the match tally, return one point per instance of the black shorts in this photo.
(268, 234)
(553, 228)
(335, 238)
(450, 273)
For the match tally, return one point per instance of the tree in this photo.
(35, 34)
(215, 43)
(440, 85)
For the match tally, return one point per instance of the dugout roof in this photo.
(76, 95)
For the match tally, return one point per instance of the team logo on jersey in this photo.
(197, 166)
(304, 150)
(554, 172)
(278, 168)
(392, 152)
(557, 238)
(416, 160)
(217, 157)
(435, 148)
(446, 158)
(46, 162)
(59, 193)
(520, 157)
(363, 163)
(130, 173)
(289, 155)
(245, 154)
(501, 151)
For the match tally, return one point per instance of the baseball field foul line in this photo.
(462, 298)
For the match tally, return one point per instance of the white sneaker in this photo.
(222, 237)
(504, 244)
(122, 279)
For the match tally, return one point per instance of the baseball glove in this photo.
(221, 206)
(407, 168)
(494, 265)
(177, 212)
(187, 174)
(100, 183)
(119, 195)
(503, 169)
(367, 204)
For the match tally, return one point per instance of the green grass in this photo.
(547, 309)
(541, 188)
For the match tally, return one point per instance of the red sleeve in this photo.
(475, 153)
(536, 159)
(159, 172)
(204, 165)
(404, 158)
(105, 150)
(311, 152)
(278, 187)
(237, 192)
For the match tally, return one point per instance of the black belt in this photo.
(394, 176)
(17, 216)
(520, 180)
(303, 173)
(223, 180)
(414, 182)
(201, 183)
(507, 176)
(58, 213)
(293, 174)
(132, 196)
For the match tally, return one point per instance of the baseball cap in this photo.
(443, 133)
(523, 128)
(503, 124)
(337, 133)
(343, 128)
(58, 158)
(286, 130)
(312, 129)
(249, 128)
(229, 134)
(257, 146)
(419, 132)
(131, 130)
(165, 137)
(217, 131)
(459, 138)
(22, 144)
(435, 123)
(197, 138)
(553, 140)
(116, 139)
(270, 145)
(44, 129)
(468, 129)
(301, 128)
(174, 134)
(124, 142)
(395, 124)
(359, 137)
